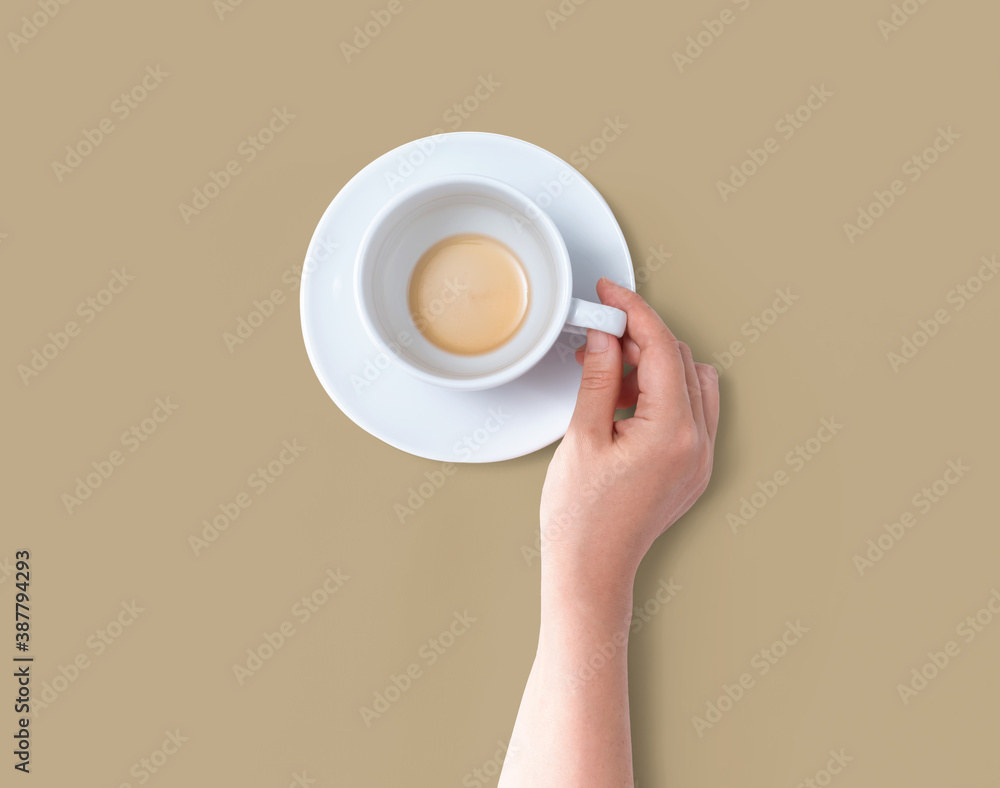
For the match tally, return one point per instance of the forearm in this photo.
(572, 729)
(612, 488)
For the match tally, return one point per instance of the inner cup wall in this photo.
(416, 229)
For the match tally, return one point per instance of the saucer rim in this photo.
(541, 438)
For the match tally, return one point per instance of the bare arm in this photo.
(612, 488)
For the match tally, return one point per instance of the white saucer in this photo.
(509, 421)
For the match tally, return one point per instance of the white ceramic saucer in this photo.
(428, 421)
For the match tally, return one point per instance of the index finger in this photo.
(663, 389)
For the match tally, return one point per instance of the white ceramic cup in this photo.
(417, 218)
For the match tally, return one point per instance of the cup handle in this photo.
(587, 314)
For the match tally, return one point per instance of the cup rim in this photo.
(512, 196)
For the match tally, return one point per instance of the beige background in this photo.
(827, 356)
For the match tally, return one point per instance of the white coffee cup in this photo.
(416, 219)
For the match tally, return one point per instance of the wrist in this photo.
(586, 602)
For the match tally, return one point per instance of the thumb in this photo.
(600, 386)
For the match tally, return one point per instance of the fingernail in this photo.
(713, 371)
(597, 341)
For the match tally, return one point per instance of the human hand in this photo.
(614, 486)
